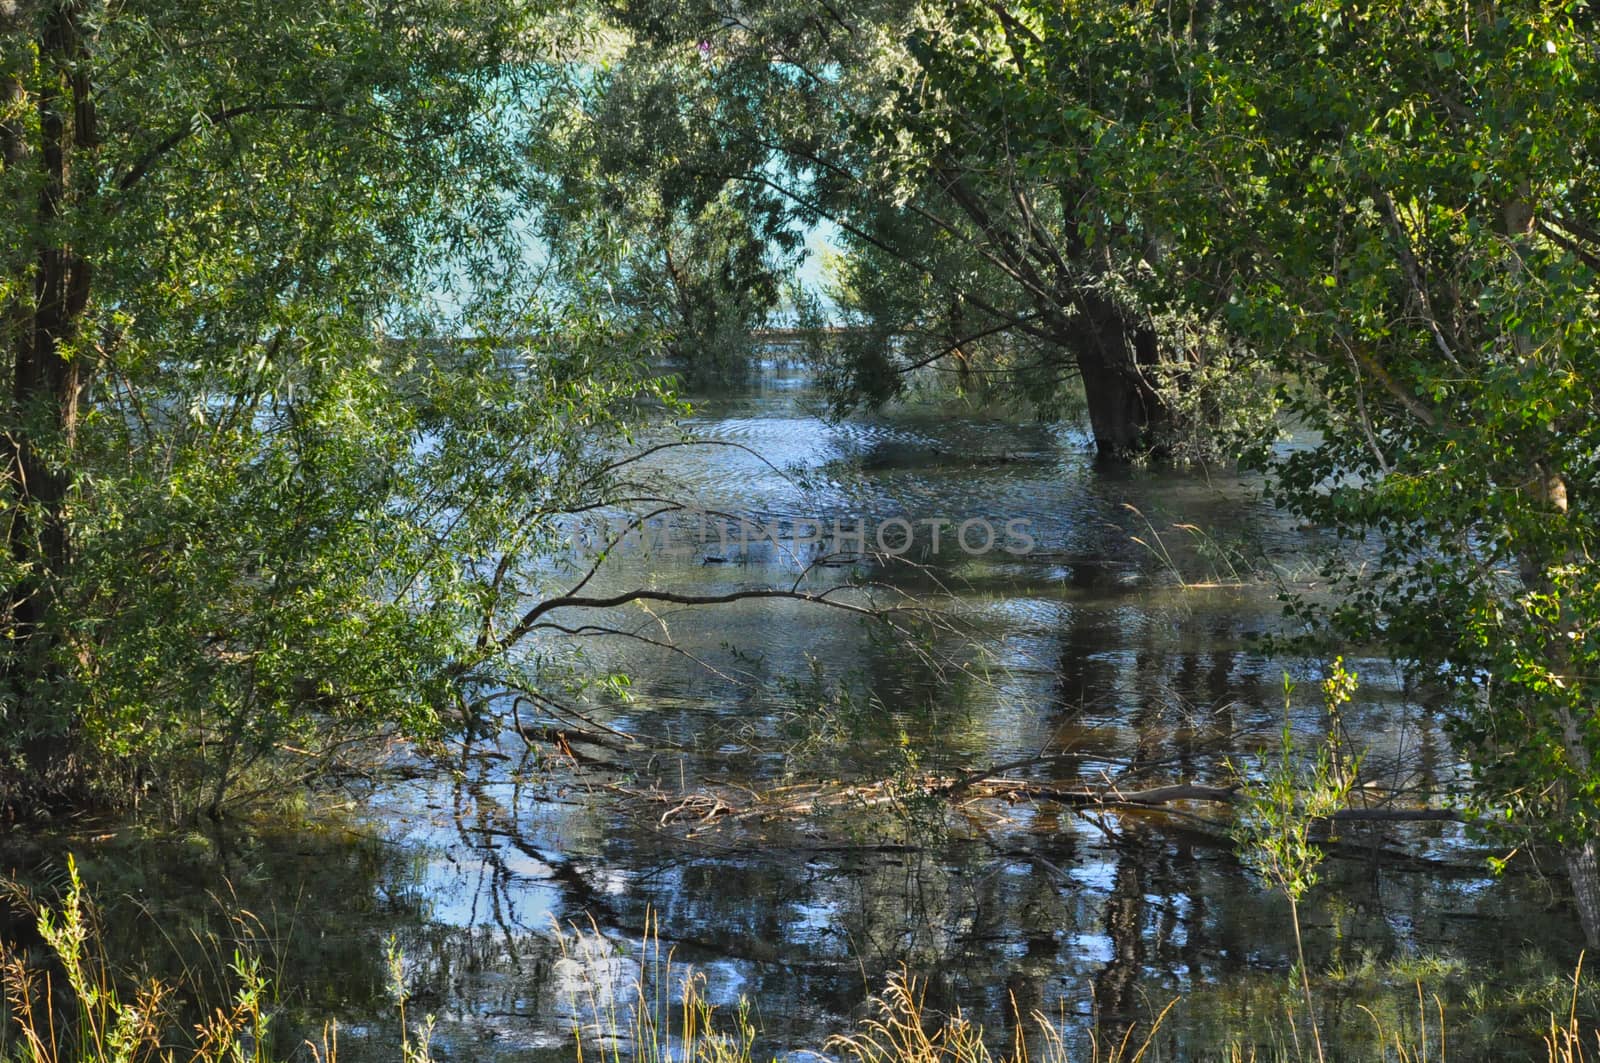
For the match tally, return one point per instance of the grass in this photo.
(899, 1029)
(71, 1008)
(66, 1004)
(616, 1018)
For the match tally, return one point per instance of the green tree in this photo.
(966, 252)
(941, 142)
(637, 201)
(1396, 203)
(258, 485)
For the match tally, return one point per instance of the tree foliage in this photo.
(937, 140)
(639, 201)
(1396, 206)
(258, 486)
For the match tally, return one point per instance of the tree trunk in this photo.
(1116, 996)
(1549, 492)
(1583, 867)
(46, 382)
(1115, 358)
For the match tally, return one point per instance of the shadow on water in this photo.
(1118, 647)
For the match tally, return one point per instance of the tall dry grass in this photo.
(73, 1008)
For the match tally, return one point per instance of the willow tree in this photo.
(931, 137)
(269, 467)
(637, 197)
(1397, 204)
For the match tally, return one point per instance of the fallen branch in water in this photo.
(989, 779)
(1158, 796)
(709, 805)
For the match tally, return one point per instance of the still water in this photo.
(520, 878)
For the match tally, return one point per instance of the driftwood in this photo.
(707, 806)
(990, 780)
(564, 738)
(1159, 796)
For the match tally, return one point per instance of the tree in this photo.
(938, 140)
(943, 197)
(634, 204)
(1396, 204)
(271, 471)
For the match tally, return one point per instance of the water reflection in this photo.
(1114, 647)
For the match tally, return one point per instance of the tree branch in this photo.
(531, 617)
(147, 161)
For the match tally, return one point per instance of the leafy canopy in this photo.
(320, 427)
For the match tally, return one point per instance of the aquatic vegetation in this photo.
(1281, 803)
(900, 1029)
(100, 1020)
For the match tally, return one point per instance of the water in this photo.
(1122, 644)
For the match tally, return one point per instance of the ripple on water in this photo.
(1090, 646)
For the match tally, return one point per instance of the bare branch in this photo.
(532, 616)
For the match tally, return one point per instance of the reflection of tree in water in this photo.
(1045, 915)
(806, 921)
(1123, 921)
(808, 918)
(313, 905)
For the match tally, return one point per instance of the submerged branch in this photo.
(707, 805)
